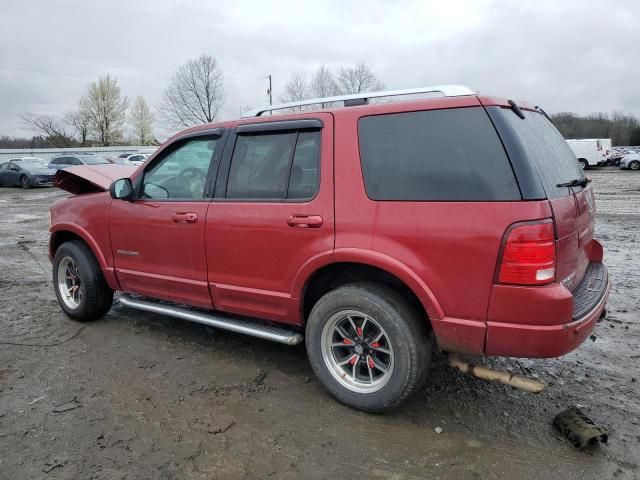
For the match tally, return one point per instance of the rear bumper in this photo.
(544, 341)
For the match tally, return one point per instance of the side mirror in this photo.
(122, 189)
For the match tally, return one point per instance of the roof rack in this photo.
(363, 98)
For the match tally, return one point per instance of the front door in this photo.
(158, 239)
(9, 174)
(272, 215)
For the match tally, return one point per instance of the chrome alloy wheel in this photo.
(357, 351)
(69, 283)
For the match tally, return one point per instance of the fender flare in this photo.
(374, 259)
(84, 235)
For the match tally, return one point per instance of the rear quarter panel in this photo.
(452, 247)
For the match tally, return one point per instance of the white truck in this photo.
(591, 152)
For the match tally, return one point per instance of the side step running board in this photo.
(217, 320)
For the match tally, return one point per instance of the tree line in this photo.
(622, 129)
(195, 94)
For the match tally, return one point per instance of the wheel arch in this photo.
(351, 266)
(68, 232)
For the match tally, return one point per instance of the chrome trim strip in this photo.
(217, 320)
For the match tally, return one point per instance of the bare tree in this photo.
(141, 118)
(358, 79)
(297, 89)
(80, 120)
(323, 84)
(107, 110)
(50, 126)
(194, 94)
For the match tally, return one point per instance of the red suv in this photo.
(362, 230)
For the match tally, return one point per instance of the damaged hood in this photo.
(90, 178)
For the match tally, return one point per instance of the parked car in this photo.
(129, 159)
(345, 228)
(70, 160)
(26, 172)
(617, 153)
(630, 161)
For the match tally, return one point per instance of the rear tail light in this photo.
(528, 254)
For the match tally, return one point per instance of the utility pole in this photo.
(270, 92)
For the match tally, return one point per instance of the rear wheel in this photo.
(368, 346)
(81, 289)
(584, 164)
(24, 182)
(635, 165)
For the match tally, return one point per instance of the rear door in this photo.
(539, 147)
(272, 215)
(158, 239)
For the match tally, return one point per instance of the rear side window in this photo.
(436, 155)
(546, 149)
(275, 166)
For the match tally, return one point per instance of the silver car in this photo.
(631, 162)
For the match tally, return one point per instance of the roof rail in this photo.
(363, 98)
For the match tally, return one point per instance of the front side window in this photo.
(275, 166)
(181, 172)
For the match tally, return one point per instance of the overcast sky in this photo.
(563, 55)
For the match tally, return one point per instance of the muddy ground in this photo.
(140, 396)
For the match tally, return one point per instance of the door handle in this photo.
(185, 217)
(305, 221)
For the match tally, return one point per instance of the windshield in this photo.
(93, 160)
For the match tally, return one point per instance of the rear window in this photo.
(436, 155)
(546, 149)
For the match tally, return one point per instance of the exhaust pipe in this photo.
(483, 373)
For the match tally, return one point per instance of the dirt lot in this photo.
(136, 395)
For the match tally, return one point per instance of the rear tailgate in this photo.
(571, 231)
(542, 160)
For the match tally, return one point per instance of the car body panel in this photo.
(254, 256)
(156, 256)
(90, 178)
(85, 217)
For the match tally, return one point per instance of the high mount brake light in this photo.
(528, 254)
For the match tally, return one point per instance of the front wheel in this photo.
(635, 165)
(24, 182)
(368, 346)
(584, 164)
(82, 292)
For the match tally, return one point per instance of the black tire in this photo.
(96, 296)
(406, 330)
(634, 165)
(584, 164)
(24, 182)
